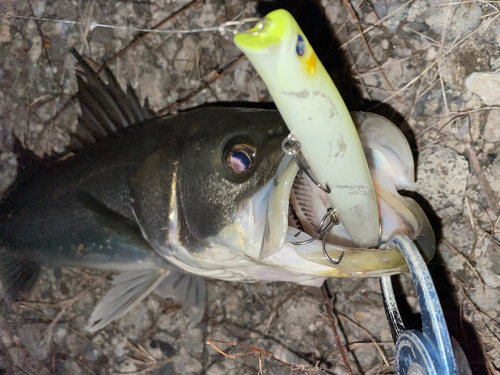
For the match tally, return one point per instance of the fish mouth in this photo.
(295, 209)
(297, 205)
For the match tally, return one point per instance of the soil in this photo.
(442, 60)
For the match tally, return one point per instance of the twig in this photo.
(376, 24)
(276, 308)
(441, 45)
(356, 21)
(378, 369)
(386, 66)
(368, 334)
(64, 304)
(60, 304)
(358, 74)
(61, 111)
(356, 345)
(471, 220)
(433, 41)
(52, 324)
(145, 35)
(155, 366)
(303, 369)
(143, 356)
(482, 325)
(174, 107)
(430, 66)
(334, 328)
(466, 260)
(488, 193)
(78, 333)
(43, 37)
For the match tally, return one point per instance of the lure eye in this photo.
(301, 46)
(241, 160)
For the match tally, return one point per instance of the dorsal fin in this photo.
(105, 107)
(27, 162)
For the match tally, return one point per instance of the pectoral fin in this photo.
(130, 288)
(186, 288)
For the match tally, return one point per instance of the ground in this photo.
(441, 61)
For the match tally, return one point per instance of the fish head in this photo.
(232, 196)
(205, 195)
(225, 215)
(226, 174)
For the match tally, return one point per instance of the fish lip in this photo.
(278, 208)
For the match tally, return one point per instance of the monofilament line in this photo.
(93, 25)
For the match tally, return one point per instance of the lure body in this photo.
(317, 117)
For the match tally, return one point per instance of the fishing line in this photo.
(222, 29)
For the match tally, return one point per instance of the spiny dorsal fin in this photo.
(105, 107)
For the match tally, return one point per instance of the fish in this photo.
(132, 183)
(167, 201)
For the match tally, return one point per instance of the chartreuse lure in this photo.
(363, 166)
(317, 117)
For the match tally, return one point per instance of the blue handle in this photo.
(426, 352)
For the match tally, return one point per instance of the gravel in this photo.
(444, 103)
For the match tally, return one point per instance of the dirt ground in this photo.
(441, 61)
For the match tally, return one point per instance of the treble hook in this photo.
(326, 224)
(291, 146)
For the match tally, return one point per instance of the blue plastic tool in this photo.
(431, 351)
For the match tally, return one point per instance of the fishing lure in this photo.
(317, 117)
(359, 168)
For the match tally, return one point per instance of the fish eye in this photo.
(240, 159)
(301, 46)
